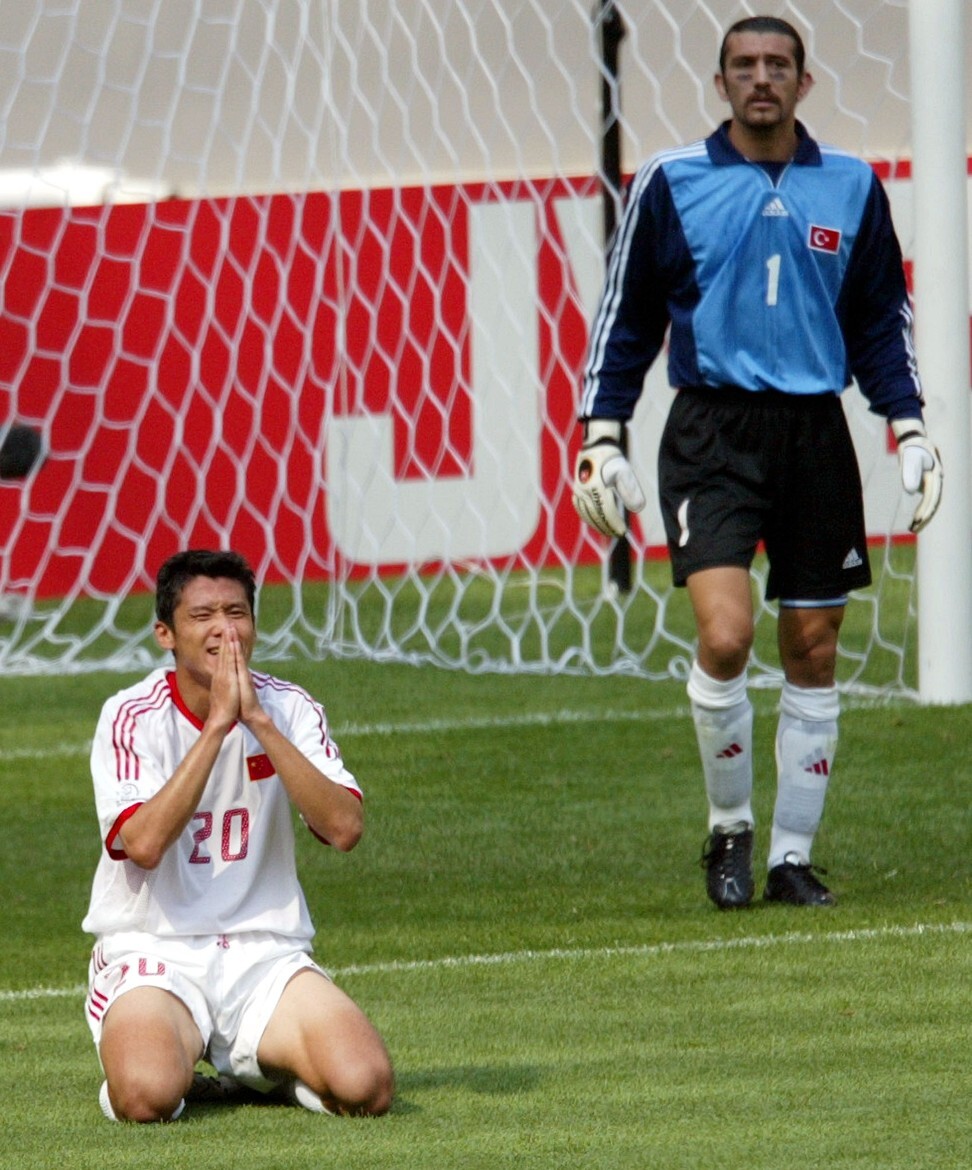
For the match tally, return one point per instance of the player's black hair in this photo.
(180, 569)
(766, 24)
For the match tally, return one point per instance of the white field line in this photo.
(568, 954)
(658, 950)
(440, 726)
(422, 727)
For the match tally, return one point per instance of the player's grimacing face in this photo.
(760, 80)
(205, 610)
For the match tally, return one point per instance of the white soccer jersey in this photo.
(233, 869)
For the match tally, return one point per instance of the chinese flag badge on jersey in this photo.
(259, 767)
(824, 239)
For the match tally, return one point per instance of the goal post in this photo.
(314, 280)
(938, 66)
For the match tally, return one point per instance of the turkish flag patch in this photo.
(259, 766)
(823, 239)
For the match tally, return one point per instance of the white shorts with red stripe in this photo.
(230, 984)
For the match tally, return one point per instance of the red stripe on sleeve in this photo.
(114, 852)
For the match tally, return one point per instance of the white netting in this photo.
(312, 280)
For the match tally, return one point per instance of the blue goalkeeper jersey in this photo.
(788, 278)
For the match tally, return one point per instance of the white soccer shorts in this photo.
(231, 985)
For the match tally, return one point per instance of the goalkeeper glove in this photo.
(921, 468)
(604, 480)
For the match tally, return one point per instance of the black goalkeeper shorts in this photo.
(737, 467)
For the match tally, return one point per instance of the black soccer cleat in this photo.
(727, 857)
(797, 885)
(209, 1090)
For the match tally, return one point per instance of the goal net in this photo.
(312, 280)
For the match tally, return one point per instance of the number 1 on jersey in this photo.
(773, 279)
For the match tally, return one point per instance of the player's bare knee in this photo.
(364, 1089)
(810, 664)
(724, 654)
(144, 1104)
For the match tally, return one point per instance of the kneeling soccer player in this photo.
(203, 936)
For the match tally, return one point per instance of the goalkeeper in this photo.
(773, 263)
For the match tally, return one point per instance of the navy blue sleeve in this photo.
(632, 317)
(876, 316)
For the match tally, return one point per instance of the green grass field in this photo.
(525, 921)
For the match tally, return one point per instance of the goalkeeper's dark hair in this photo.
(182, 568)
(766, 24)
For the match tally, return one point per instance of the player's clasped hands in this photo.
(232, 696)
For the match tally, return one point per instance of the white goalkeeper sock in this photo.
(806, 742)
(723, 718)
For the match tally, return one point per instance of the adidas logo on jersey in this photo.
(775, 207)
(852, 560)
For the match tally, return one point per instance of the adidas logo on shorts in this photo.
(852, 560)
